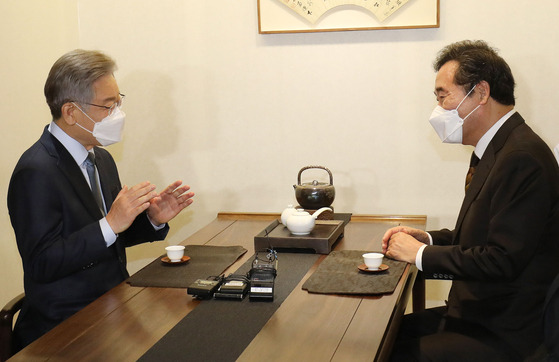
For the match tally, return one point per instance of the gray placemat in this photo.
(338, 274)
(205, 261)
(220, 330)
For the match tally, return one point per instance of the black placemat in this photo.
(205, 260)
(220, 330)
(339, 274)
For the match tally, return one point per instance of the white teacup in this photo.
(175, 252)
(373, 260)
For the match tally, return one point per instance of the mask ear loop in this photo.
(479, 105)
(462, 120)
(81, 110)
(471, 90)
(459, 125)
(463, 99)
(79, 125)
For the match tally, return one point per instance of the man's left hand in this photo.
(169, 203)
(403, 246)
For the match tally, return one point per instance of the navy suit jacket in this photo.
(66, 262)
(504, 251)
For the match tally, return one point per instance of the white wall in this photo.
(32, 36)
(236, 114)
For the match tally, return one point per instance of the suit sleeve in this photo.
(39, 217)
(442, 237)
(501, 231)
(142, 231)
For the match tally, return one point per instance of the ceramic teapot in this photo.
(286, 213)
(314, 195)
(301, 222)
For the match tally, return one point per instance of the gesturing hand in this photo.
(169, 203)
(129, 203)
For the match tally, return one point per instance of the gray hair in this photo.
(72, 76)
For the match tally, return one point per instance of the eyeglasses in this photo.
(114, 106)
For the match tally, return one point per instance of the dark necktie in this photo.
(92, 173)
(471, 171)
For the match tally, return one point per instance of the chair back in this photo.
(6, 322)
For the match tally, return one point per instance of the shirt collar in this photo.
(488, 136)
(76, 149)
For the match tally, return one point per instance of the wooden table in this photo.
(127, 321)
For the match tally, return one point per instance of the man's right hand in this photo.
(129, 203)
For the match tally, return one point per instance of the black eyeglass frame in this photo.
(112, 107)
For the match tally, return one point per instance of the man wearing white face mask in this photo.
(503, 252)
(448, 123)
(71, 216)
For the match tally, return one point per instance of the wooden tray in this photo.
(320, 240)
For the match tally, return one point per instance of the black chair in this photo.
(6, 322)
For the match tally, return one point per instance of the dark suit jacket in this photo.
(66, 262)
(504, 251)
(551, 318)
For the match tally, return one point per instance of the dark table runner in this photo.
(205, 261)
(220, 330)
(338, 274)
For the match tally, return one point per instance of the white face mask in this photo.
(109, 130)
(448, 123)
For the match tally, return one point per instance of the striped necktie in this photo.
(471, 171)
(92, 174)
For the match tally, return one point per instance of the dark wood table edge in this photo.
(389, 338)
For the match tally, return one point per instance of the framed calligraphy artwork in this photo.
(303, 16)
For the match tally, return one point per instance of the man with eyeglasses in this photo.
(71, 216)
(502, 255)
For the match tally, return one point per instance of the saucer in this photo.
(166, 260)
(364, 268)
